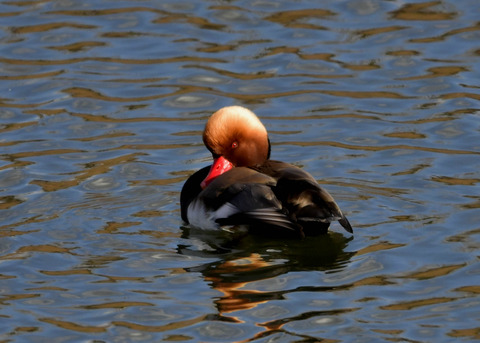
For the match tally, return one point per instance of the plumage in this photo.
(244, 187)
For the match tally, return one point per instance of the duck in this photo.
(244, 188)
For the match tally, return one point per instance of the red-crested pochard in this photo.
(243, 187)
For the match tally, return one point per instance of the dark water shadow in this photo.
(240, 261)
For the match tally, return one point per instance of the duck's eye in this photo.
(235, 145)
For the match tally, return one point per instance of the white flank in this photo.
(202, 218)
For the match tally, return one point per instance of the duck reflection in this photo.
(246, 259)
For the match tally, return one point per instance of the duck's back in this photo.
(303, 199)
(241, 196)
(274, 196)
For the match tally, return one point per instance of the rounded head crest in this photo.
(237, 134)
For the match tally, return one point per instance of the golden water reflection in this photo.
(102, 110)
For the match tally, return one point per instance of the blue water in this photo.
(102, 105)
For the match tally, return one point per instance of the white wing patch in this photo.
(200, 217)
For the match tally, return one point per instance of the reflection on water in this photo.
(257, 260)
(101, 110)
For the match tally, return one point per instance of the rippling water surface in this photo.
(102, 104)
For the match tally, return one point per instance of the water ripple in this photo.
(102, 108)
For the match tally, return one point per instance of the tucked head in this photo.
(237, 134)
(236, 138)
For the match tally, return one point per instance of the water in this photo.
(102, 104)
